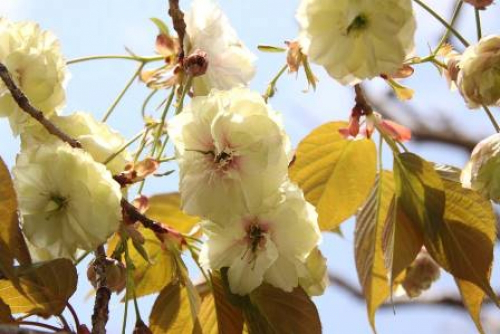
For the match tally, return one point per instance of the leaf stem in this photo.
(73, 314)
(122, 93)
(39, 324)
(452, 23)
(143, 60)
(443, 22)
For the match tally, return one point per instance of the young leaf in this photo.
(162, 27)
(171, 312)
(335, 174)
(270, 48)
(46, 288)
(208, 316)
(369, 253)
(285, 312)
(166, 209)
(151, 277)
(10, 233)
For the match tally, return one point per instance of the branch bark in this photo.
(23, 103)
(103, 294)
(177, 16)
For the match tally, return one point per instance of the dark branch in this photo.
(103, 294)
(23, 103)
(10, 329)
(177, 16)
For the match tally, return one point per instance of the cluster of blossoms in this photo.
(68, 200)
(357, 40)
(233, 157)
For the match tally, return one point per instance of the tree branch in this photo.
(103, 294)
(177, 16)
(448, 300)
(10, 329)
(23, 103)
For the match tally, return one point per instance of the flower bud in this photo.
(479, 4)
(479, 78)
(420, 274)
(115, 274)
(481, 172)
(196, 64)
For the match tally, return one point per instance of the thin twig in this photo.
(103, 294)
(361, 101)
(177, 16)
(23, 103)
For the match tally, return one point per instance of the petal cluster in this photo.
(357, 39)
(230, 63)
(67, 201)
(96, 138)
(232, 153)
(479, 76)
(34, 59)
(233, 160)
(481, 172)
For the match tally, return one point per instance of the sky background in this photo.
(96, 27)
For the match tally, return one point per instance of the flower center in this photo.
(224, 158)
(255, 238)
(359, 23)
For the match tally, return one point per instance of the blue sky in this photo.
(94, 27)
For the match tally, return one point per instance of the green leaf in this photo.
(172, 313)
(284, 312)
(269, 48)
(369, 253)
(335, 174)
(464, 244)
(165, 208)
(46, 288)
(162, 27)
(153, 275)
(473, 298)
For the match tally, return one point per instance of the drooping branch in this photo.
(8, 329)
(177, 16)
(103, 294)
(23, 103)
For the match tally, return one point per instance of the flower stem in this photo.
(452, 23)
(146, 102)
(478, 23)
(161, 125)
(165, 141)
(73, 314)
(443, 22)
(185, 90)
(124, 147)
(492, 118)
(143, 60)
(122, 93)
(272, 84)
(131, 283)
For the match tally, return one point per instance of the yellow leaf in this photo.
(464, 245)
(472, 297)
(172, 312)
(151, 277)
(284, 312)
(335, 174)
(10, 233)
(208, 316)
(165, 208)
(46, 288)
(369, 253)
